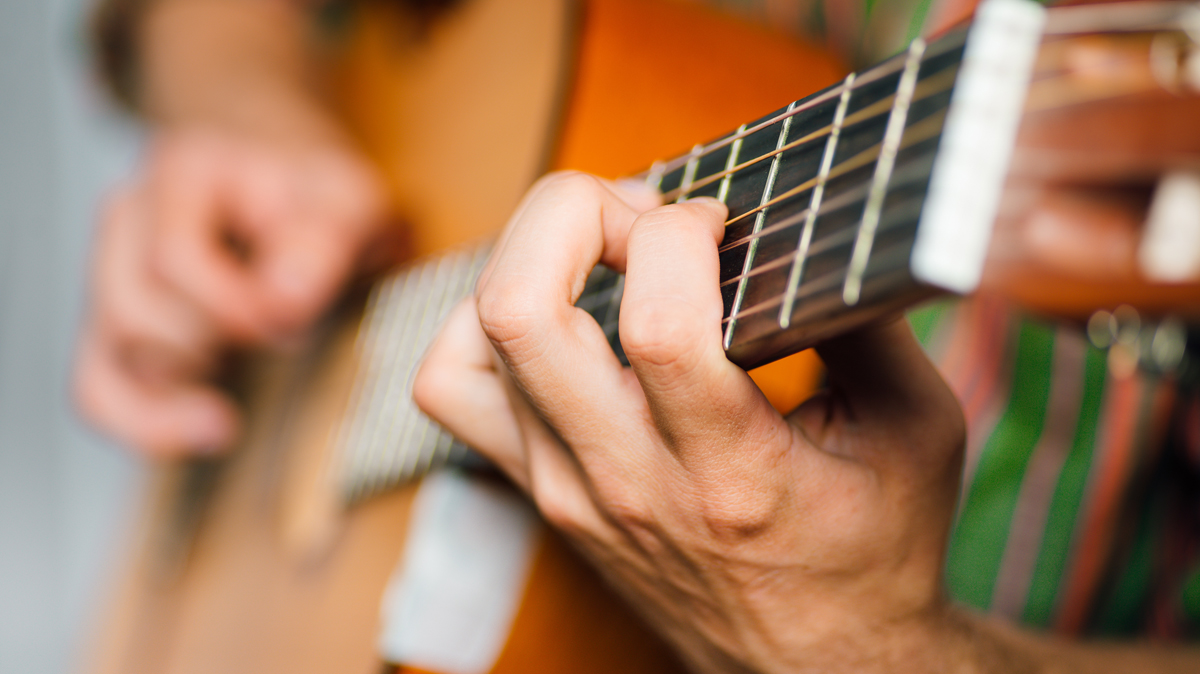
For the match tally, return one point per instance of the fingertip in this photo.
(296, 290)
(715, 213)
(210, 424)
(637, 194)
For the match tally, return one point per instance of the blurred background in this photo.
(64, 493)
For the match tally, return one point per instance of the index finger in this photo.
(191, 197)
(671, 332)
(557, 353)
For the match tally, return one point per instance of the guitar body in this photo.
(252, 564)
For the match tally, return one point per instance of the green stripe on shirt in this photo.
(1068, 497)
(977, 546)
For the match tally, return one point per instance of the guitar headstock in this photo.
(1102, 204)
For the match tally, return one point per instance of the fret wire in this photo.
(923, 91)
(789, 300)
(730, 162)
(655, 176)
(758, 225)
(921, 131)
(848, 197)
(822, 245)
(870, 75)
(827, 281)
(883, 171)
(689, 173)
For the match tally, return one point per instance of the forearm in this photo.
(989, 646)
(243, 65)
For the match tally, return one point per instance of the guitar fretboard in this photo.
(828, 196)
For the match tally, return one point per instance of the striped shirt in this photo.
(1079, 509)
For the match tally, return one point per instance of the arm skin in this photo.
(755, 542)
(249, 213)
(241, 64)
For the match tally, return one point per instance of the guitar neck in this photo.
(868, 196)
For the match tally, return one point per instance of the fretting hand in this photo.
(748, 538)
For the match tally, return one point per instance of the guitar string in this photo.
(914, 134)
(879, 72)
(873, 74)
(796, 272)
(920, 132)
(826, 282)
(759, 221)
(923, 131)
(843, 200)
(1038, 85)
(943, 80)
(917, 133)
(908, 208)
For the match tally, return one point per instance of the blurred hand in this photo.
(1072, 234)
(751, 540)
(222, 241)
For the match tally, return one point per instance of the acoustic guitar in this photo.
(874, 193)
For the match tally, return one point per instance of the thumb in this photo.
(305, 267)
(897, 411)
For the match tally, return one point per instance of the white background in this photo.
(64, 493)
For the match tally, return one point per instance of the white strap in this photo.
(450, 604)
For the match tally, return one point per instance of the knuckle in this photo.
(124, 319)
(732, 508)
(627, 496)
(736, 518)
(508, 314)
(167, 258)
(628, 511)
(429, 388)
(658, 332)
(686, 219)
(554, 502)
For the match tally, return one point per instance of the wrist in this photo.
(237, 66)
(977, 644)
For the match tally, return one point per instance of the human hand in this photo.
(753, 541)
(1102, 202)
(223, 241)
